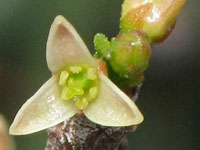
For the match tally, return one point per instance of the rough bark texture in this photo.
(79, 133)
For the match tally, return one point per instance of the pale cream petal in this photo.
(65, 46)
(112, 107)
(43, 110)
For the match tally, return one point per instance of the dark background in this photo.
(169, 98)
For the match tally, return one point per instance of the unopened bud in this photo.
(155, 17)
(130, 54)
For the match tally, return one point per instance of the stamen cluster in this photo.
(80, 84)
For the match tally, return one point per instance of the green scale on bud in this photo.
(80, 84)
(102, 46)
(129, 55)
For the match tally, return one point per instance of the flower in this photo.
(75, 77)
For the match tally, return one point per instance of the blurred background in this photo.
(170, 96)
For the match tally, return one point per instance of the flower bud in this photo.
(155, 17)
(130, 54)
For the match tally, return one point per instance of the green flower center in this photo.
(80, 84)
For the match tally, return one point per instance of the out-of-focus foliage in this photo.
(170, 95)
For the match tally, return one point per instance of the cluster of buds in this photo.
(142, 23)
(127, 54)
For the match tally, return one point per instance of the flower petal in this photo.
(43, 110)
(112, 107)
(65, 46)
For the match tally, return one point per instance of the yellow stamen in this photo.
(63, 78)
(64, 93)
(75, 69)
(81, 104)
(91, 73)
(93, 92)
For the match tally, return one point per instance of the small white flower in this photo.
(50, 106)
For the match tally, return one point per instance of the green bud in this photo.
(155, 17)
(102, 45)
(130, 54)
